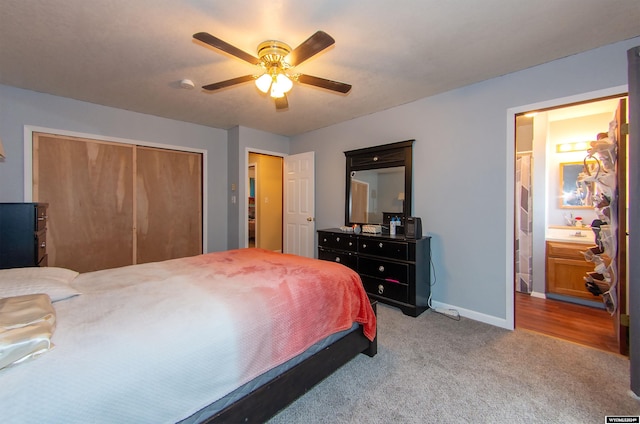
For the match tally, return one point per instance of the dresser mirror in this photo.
(378, 184)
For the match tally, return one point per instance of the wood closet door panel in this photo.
(89, 188)
(169, 204)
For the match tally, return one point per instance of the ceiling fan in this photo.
(276, 60)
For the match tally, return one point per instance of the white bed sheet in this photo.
(53, 388)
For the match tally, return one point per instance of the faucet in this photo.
(570, 221)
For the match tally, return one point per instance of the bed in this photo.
(221, 337)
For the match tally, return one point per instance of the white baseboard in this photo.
(539, 295)
(476, 316)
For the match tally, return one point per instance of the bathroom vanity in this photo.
(565, 263)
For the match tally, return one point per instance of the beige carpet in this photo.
(432, 369)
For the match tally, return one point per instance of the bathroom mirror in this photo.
(573, 194)
(378, 183)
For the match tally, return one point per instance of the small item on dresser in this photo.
(578, 221)
(392, 227)
(414, 227)
(372, 229)
(346, 229)
(356, 228)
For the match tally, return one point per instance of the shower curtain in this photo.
(524, 225)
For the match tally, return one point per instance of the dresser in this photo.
(23, 235)
(394, 270)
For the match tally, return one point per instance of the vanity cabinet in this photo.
(566, 269)
(394, 270)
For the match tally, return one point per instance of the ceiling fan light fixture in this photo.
(275, 59)
(275, 92)
(283, 82)
(264, 82)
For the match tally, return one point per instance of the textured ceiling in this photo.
(132, 54)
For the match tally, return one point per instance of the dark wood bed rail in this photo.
(266, 401)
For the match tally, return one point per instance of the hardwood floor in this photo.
(576, 323)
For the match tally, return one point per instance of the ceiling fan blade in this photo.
(312, 46)
(228, 83)
(226, 47)
(324, 83)
(282, 103)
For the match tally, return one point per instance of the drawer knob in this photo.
(43, 245)
(337, 258)
(380, 245)
(350, 243)
(381, 268)
(380, 289)
(364, 245)
(337, 238)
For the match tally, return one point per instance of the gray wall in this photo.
(21, 107)
(461, 162)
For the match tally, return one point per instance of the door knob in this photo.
(310, 219)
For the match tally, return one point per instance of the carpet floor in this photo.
(433, 369)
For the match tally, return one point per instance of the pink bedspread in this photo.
(157, 342)
(286, 302)
(311, 299)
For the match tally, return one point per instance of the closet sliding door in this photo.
(169, 204)
(88, 185)
(114, 204)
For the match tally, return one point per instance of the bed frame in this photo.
(266, 401)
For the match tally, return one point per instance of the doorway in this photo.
(251, 205)
(549, 286)
(264, 201)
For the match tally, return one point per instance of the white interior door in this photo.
(299, 204)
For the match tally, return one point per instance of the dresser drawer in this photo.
(388, 249)
(345, 258)
(377, 158)
(386, 270)
(387, 289)
(337, 241)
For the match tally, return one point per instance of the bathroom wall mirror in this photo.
(378, 183)
(575, 195)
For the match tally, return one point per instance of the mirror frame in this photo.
(579, 167)
(379, 157)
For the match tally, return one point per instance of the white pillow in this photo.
(49, 280)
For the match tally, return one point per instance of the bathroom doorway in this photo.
(549, 286)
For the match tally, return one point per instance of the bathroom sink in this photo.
(571, 235)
